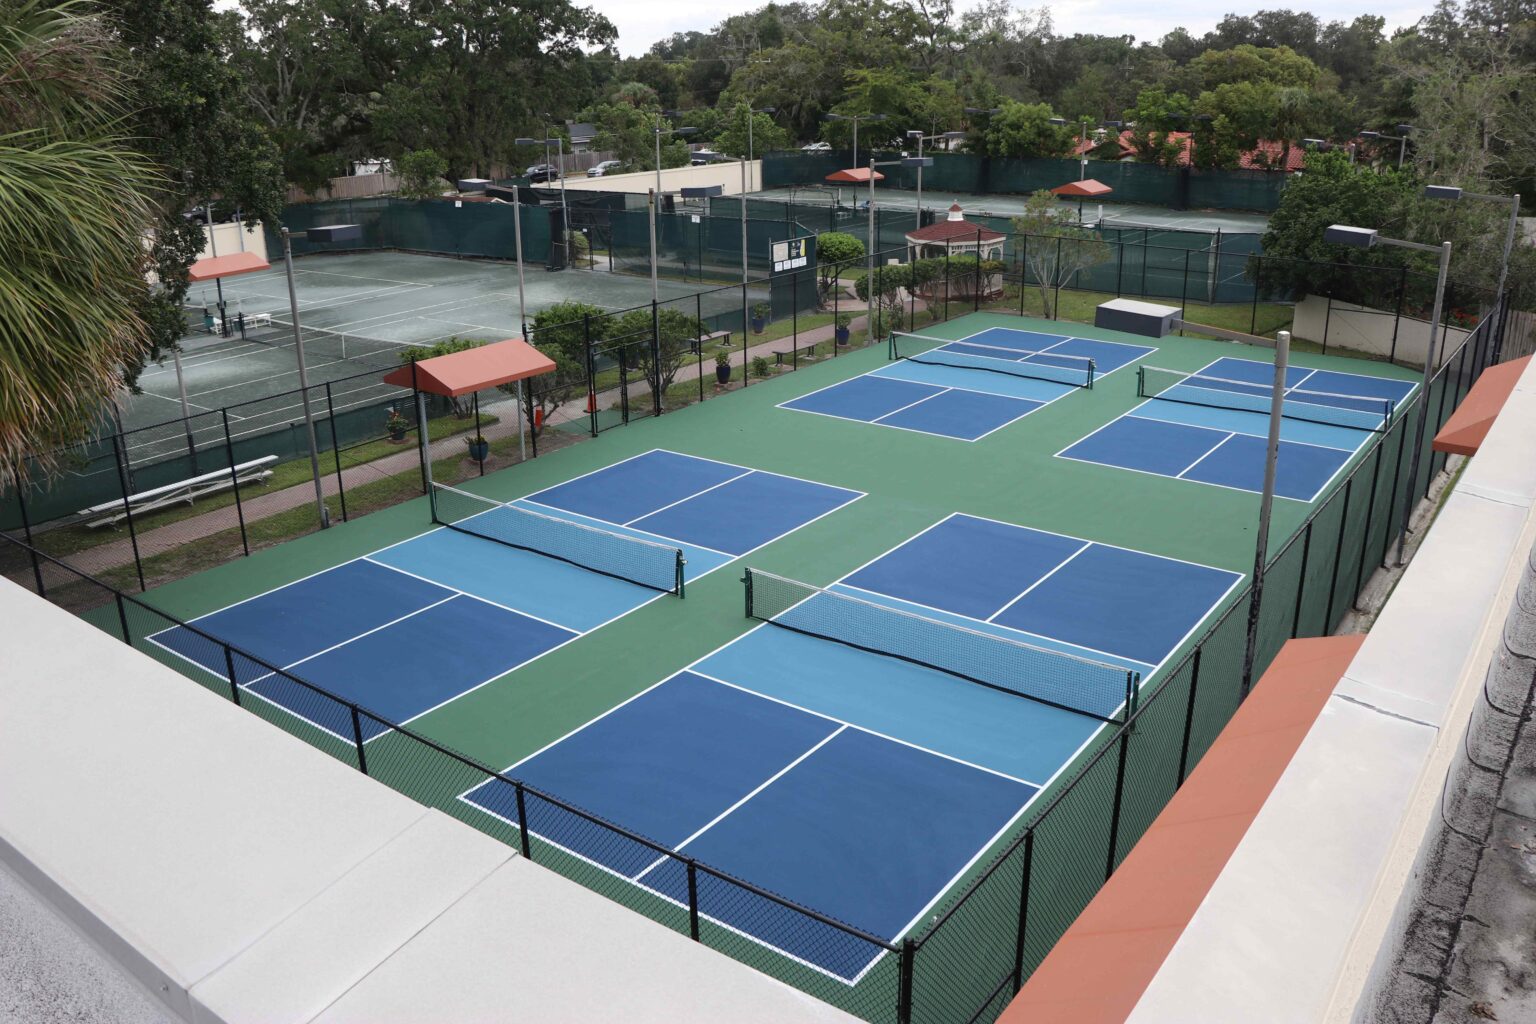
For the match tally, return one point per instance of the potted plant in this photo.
(841, 322)
(396, 424)
(479, 447)
(760, 317)
(722, 367)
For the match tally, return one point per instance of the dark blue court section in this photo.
(293, 622)
(664, 765)
(962, 414)
(863, 398)
(746, 513)
(1300, 470)
(414, 664)
(1335, 383)
(1151, 446)
(628, 490)
(865, 830)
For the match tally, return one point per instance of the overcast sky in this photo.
(642, 22)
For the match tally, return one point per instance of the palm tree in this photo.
(74, 209)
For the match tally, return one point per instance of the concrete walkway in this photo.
(260, 504)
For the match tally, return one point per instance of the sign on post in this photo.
(791, 254)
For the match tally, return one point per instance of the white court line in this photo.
(904, 408)
(1020, 596)
(1226, 436)
(674, 504)
(660, 538)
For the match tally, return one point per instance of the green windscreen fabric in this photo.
(435, 226)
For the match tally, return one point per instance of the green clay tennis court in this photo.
(772, 672)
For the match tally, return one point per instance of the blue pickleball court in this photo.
(410, 627)
(865, 784)
(1212, 426)
(970, 387)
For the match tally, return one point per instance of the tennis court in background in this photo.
(883, 717)
(933, 387)
(1212, 426)
(410, 627)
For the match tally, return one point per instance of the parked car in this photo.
(606, 167)
(816, 147)
(541, 173)
(700, 157)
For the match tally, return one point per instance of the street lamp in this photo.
(1403, 131)
(1453, 193)
(751, 111)
(329, 233)
(869, 269)
(1365, 238)
(659, 134)
(855, 118)
(1082, 158)
(917, 134)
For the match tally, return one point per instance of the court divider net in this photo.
(1097, 689)
(632, 559)
(1358, 412)
(1078, 371)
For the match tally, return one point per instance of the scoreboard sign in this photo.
(791, 254)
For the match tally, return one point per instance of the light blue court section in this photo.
(1333, 382)
(1028, 389)
(700, 560)
(866, 829)
(865, 398)
(1021, 738)
(961, 414)
(1255, 424)
(709, 508)
(1254, 371)
(1108, 356)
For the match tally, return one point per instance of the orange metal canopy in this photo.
(1464, 432)
(215, 267)
(853, 175)
(1085, 189)
(474, 369)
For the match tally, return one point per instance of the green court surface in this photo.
(910, 482)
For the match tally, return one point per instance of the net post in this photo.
(1093, 369)
(693, 899)
(1189, 714)
(1141, 381)
(1301, 580)
(681, 563)
(1132, 678)
(746, 579)
(904, 985)
(522, 821)
(229, 666)
(357, 739)
(234, 480)
(1023, 918)
(1114, 818)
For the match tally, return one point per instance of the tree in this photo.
(629, 133)
(835, 252)
(571, 327)
(78, 205)
(1278, 65)
(421, 174)
(1055, 249)
(890, 279)
(1023, 130)
(731, 135)
(1155, 117)
(675, 335)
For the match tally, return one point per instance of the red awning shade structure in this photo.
(1465, 431)
(1088, 188)
(216, 267)
(854, 176)
(474, 369)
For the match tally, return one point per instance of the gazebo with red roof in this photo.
(956, 236)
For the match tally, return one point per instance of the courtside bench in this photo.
(110, 513)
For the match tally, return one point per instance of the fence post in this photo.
(904, 985)
(1023, 922)
(1327, 318)
(122, 617)
(698, 334)
(693, 899)
(1397, 316)
(1056, 301)
(837, 283)
(522, 821)
(357, 740)
(1023, 270)
(1119, 263)
(1370, 509)
(976, 289)
(1338, 555)
(1258, 280)
(655, 380)
(746, 378)
(229, 666)
(26, 526)
(1301, 581)
(122, 483)
(1397, 473)
(1189, 715)
(1184, 293)
(586, 346)
(1114, 818)
(341, 487)
(234, 479)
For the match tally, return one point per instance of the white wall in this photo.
(227, 239)
(1364, 329)
(727, 176)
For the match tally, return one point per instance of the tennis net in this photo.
(1358, 412)
(1096, 689)
(1077, 371)
(618, 555)
(319, 342)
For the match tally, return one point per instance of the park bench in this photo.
(110, 513)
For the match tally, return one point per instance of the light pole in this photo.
(1403, 131)
(331, 233)
(1513, 202)
(659, 134)
(565, 228)
(869, 268)
(917, 133)
(1082, 157)
(750, 113)
(522, 313)
(855, 118)
(559, 141)
(1364, 238)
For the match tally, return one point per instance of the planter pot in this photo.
(842, 335)
(758, 323)
(479, 452)
(397, 435)
(723, 373)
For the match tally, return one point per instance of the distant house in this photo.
(1266, 156)
(582, 135)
